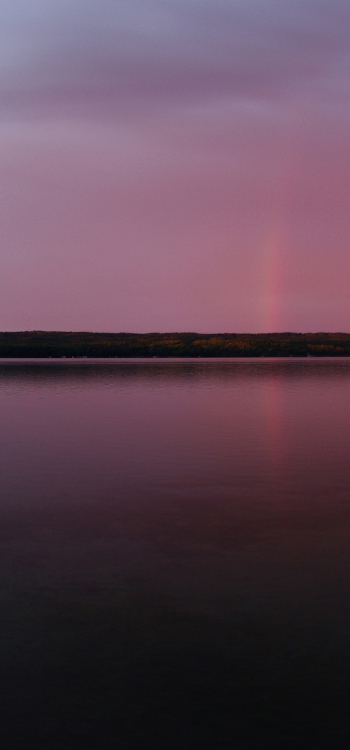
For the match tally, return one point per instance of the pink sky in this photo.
(175, 165)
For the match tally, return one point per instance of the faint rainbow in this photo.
(276, 238)
(274, 251)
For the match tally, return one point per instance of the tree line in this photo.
(26, 344)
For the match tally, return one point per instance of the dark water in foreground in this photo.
(175, 555)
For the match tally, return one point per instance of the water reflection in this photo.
(174, 554)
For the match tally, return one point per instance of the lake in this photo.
(175, 554)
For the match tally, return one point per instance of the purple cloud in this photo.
(159, 159)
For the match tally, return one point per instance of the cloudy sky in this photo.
(175, 165)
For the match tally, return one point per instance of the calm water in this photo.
(175, 554)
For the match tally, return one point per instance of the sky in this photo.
(175, 165)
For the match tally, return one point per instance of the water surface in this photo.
(175, 554)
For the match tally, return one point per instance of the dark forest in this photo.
(64, 344)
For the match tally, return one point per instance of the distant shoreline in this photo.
(56, 344)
